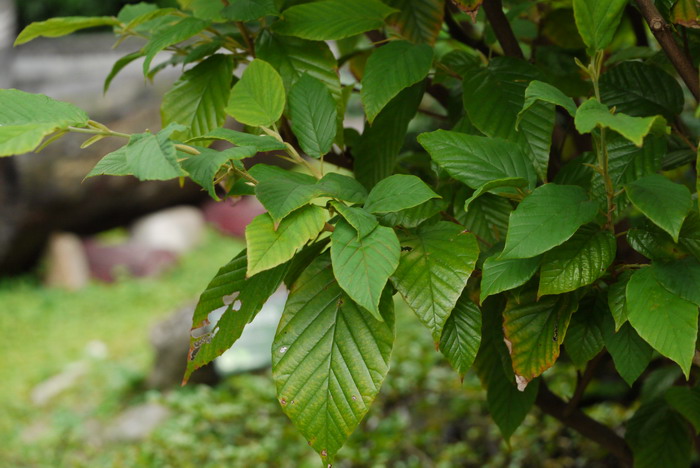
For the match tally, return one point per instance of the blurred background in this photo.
(98, 280)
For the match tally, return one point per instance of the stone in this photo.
(178, 229)
(137, 423)
(67, 263)
(232, 217)
(109, 262)
(57, 384)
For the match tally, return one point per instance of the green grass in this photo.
(44, 329)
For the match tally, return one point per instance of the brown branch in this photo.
(577, 420)
(663, 34)
(501, 28)
(583, 382)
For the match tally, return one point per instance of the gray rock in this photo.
(54, 386)
(178, 229)
(137, 423)
(66, 262)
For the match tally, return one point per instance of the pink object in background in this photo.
(231, 218)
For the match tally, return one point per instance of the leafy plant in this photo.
(525, 180)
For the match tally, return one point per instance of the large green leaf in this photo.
(363, 266)
(461, 335)
(270, 245)
(655, 244)
(627, 162)
(686, 401)
(57, 27)
(584, 338)
(507, 405)
(414, 217)
(258, 98)
(376, 151)
(476, 160)
(244, 297)
(329, 358)
(398, 192)
(204, 166)
(535, 331)
(119, 66)
(665, 203)
(495, 186)
(198, 99)
(665, 321)
(658, 436)
(170, 35)
(592, 114)
(548, 217)
(541, 91)
(153, 157)
(113, 163)
(681, 278)
(332, 19)
(617, 299)
(597, 21)
(577, 262)
(249, 10)
(260, 142)
(313, 112)
(630, 353)
(362, 220)
(487, 218)
(419, 21)
(500, 275)
(25, 119)
(494, 99)
(436, 262)
(389, 70)
(641, 90)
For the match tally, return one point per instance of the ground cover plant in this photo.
(524, 179)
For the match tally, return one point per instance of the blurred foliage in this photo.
(40, 10)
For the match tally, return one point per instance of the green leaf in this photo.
(548, 217)
(414, 217)
(461, 335)
(328, 20)
(204, 9)
(630, 353)
(686, 401)
(541, 91)
(436, 262)
(342, 187)
(505, 185)
(665, 321)
(681, 278)
(641, 90)
(119, 66)
(584, 338)
(113, 164)
(57, 27)
(578, 262)
(245, 298)
(654, 243)
(398, 192)
(389, 70)
(658, 436)
(363, 266)
(507, 405)
(376, 151)
(592, 114)
(535, 331)
(494, 98)
(419, 21)
(203, 167)
(627, 162)
(665, 203)
(198, 99)
(475, 160)
(249, 10)
(258, 98)
(131, 12)
(487, 218)
(597, 21)
(502, 275)
(329, 358)
(170, 35)
(153, 157)
(362, 220)
(25, 119)
(617, 299)
(261, 142)
(303, 259)
(313, 113)
(270, 245)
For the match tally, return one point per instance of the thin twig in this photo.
(501, 28)
(662, 31)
